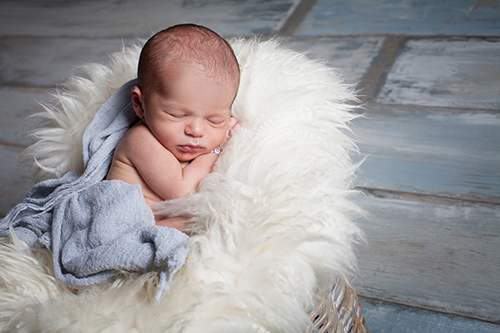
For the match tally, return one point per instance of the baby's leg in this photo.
(173, 222)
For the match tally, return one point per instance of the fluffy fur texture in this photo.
(272, 223)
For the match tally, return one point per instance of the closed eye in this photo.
(216, 120)
(176, 115)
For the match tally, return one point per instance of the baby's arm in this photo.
(194, 172)
(201, 166)
(161, 170)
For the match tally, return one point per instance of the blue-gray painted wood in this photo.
(421, 150)
(140, 18)
(464, 74)
(415, 17)
(389, 318)
(17, 104)
(435, 256)
(14, 182)
(421, 253)
(350, 56)
(33, 62)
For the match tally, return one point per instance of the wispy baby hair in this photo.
(187, 44)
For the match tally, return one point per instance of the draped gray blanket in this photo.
(96, 228)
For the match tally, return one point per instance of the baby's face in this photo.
(189, 113)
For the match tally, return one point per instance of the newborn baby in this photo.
(188, 77)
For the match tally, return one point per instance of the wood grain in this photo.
(14, 182)
(32, 62)
(391, 318)
(445, 153)
(117, 19)
(441, 257)
(17, 104)
(354, 17)
(350, 56)
(460, 73)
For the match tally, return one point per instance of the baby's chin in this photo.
(185, 159)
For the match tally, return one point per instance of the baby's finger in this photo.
(236, 127)
(233, 127)
(232, 122)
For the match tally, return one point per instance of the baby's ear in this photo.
(138, 102)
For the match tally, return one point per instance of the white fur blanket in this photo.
(96, 228)
(273, 222)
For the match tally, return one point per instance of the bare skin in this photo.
(169, 151)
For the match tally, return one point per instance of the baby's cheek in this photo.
(221, 136)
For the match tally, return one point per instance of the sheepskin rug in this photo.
(273, 224)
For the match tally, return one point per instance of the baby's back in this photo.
(123, 169)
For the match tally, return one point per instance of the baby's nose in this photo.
(194, 128)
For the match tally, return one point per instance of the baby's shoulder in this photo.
(139, 134)
(134, 142)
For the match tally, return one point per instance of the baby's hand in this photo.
(234, 125)
(232, 128)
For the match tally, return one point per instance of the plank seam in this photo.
(466, 109)
(12, 144)
(374, 78)
(421, 308)
(296, 18)
(421, 197)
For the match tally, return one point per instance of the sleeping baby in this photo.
(188, 77)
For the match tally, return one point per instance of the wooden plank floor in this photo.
(428, 74)
(441, 152)
(421, 18)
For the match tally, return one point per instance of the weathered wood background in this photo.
(428, 73)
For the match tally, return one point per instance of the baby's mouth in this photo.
(191, 148)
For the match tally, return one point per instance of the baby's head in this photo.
(191, 45)
(188, 79)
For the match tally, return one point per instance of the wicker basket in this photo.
(340, 311)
